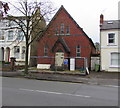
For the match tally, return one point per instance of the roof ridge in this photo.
(110, 20)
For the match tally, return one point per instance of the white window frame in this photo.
(10, 23)
(2, 35)
(4, 23)
(16, 52)
(114, 66)
(9, 35)
(20, 36)
(110, 44)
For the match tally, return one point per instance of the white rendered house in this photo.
(12, 42)
(110, 45)
(12, 39)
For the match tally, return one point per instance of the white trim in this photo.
(2, 40)
(110, 47)
(113, 66)
(111, 44)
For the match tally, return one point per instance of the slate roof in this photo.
(110, 24)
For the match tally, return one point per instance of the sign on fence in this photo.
(72, 64)
(65, 61)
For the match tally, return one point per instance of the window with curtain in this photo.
(115, 59)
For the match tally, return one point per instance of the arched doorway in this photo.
(2, 54)
(7, 57)
(2, 49)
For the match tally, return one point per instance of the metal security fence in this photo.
(60, 63)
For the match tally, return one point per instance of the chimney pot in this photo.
(101, 19)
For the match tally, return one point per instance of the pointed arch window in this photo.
(62, 29)
(45, 50)
(78, 51)
(59, 50)
(56, 30)
(67, 30)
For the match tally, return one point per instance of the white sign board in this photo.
(59, 59)
(72, 64)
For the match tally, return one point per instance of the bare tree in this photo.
(32, 22)
(3, 8)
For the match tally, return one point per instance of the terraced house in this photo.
(110, 44)
(12, 39)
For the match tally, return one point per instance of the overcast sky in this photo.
(87, 12)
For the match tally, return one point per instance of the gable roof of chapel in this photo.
(58, 12)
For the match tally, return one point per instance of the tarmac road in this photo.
(29, 92)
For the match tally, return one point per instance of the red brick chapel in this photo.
(66, 38)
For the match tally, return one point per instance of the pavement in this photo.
(97, 78)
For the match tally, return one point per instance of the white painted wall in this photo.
(11, 43)
(107, 49)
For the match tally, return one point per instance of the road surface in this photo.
(27, 92)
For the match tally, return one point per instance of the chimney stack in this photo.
(101, 19)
